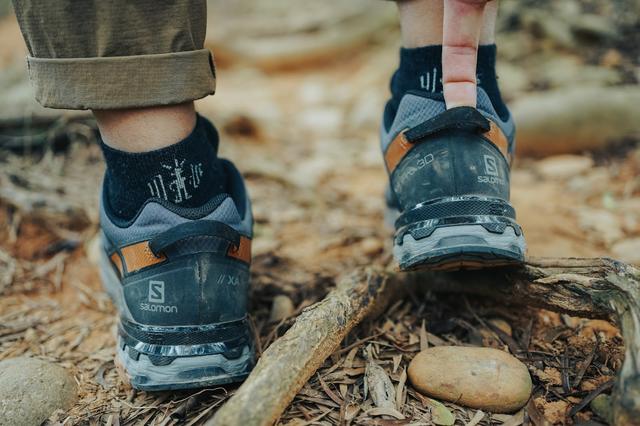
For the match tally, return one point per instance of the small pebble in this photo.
(601, 405)
(32, 389)
(482, 378)
(281, 308)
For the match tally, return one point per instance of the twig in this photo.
(587, 363)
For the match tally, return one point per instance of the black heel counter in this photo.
(451, 164)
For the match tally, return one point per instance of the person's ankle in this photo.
(146, 129)
(187, 173)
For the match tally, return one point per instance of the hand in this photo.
(461, 34)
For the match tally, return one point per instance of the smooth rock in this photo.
(563, 166)
(273, 35)
(560, 71)
(627, 250)
(592, 27)
(32, 389)
(513, 79)
(551, 26)
(483, 378)
(604, 225)
(577, 119)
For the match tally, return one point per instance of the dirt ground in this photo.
(306, 140)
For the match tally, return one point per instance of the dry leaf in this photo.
(477, 418)
(440, 414)
(379, 384)
(400, 390)
(386, 411)
(351, 411)
(510, 420)
(413, 339)
(396, 362)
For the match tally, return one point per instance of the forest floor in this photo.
(306, 141)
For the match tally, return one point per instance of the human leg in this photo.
(449, 169)
(175, 219)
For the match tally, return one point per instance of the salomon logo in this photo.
(166, 309)
(156, 296)
(491, 165)
(492, 173)
(156, 291)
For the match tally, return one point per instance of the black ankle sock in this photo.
(187, 173)
(488, 80)
(421, 69)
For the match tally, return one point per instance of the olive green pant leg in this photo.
(106, 54)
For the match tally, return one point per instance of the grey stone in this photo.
(557, 71)
(576, 119)
(594, 27)
(627, 250)
(513, 80)
(32, 389)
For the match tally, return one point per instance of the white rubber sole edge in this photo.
(172, 375)
(451, 237)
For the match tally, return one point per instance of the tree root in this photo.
(590, 288)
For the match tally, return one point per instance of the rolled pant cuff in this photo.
(122, 81)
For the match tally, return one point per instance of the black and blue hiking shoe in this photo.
(180, 278)
(449, 185)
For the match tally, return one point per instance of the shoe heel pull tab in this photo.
(463, 117)
(194, 228)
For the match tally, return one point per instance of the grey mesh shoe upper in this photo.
(155, 218)
(415, 109)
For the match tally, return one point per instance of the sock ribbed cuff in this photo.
(187, 173)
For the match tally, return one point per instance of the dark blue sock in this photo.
(421, 69)
(187, 173)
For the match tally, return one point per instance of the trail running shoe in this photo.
(449, 185)
(180, 278)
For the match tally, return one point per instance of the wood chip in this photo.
(477, 418)
(424, 341)
(396, 362)
(331, 394)
(386, 411)
(400, 394)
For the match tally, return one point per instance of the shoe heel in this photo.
(170, 358)
(459, 234)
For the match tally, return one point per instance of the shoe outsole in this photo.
(468, 258)
(183, 372)
(452, 248)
